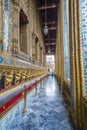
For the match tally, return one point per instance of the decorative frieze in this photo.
(13, 76)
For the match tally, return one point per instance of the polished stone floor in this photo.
(46, 111)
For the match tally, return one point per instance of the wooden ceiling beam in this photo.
(53, 22)
(52, 43)
(51, 28)
(47, 7)
(51, 49)
(51, 39)
(51, 53)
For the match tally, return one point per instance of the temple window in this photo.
(23, 32)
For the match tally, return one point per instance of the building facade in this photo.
(22, 49)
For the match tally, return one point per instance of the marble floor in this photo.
(47, 111)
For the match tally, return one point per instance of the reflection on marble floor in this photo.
(46, 111)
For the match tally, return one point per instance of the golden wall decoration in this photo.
(16, 75)
(16, 64)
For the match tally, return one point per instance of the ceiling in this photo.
(50, 10)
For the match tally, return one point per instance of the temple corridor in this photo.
(43, 64)
(46, 110)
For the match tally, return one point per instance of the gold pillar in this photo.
(82, 90)
(59, 44)
(76, 60)
(76, 44)
(58, 48)
(76, 63)
(61, 47)
(1, 25)
(72, 62)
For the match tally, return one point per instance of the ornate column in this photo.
(78, 83)
(1, 25)
(61, 47)
(57, 58)
(72, 61)
(77, 78)
(81, 12)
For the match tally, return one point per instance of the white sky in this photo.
(50, 58)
